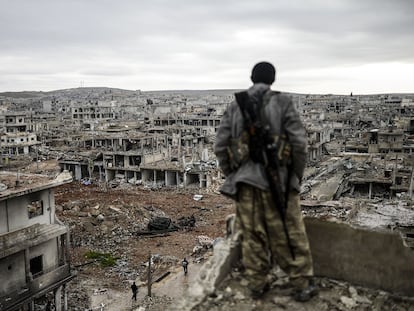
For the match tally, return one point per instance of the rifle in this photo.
(265, 150)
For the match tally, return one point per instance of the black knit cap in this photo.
(263, 72)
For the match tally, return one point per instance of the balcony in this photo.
(16, 241)
(39, 286)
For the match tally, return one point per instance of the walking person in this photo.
(261, 147)
(184, 263)
(134, 289)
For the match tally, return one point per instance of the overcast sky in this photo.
(317, 46)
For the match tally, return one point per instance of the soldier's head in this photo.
(263, 72)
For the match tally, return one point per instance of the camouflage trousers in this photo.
(264, 242)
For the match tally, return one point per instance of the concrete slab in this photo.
(377, 259)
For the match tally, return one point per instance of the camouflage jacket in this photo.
(283, 119)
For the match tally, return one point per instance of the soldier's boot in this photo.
(305, 294)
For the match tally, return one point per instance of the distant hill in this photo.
(24, 94)
(91, 92)
(80, 91)
(88, 92)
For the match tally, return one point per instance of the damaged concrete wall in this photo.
(17, 210)
(13, 273)
(375, 259)
(3, 218)
(48, 250)
(361, 256)
(152, 158)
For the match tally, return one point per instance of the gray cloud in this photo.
(198, 44)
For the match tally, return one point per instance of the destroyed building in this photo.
(166, 138)
(87, 114)
(17, 136)
(173, 149)
(359, 162)
(34, 258)
(170, 141)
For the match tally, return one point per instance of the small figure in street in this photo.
(48, 306)
(184, 263)
(134, 289)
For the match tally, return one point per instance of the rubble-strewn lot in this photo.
(115, 222)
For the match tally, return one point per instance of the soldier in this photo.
(271, 233)
(184, 263)
(134, 289)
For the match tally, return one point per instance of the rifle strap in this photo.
(253, 109)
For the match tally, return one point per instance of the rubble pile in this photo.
(340, 210)
(109, 222)
(104, 227)
(155, 303)
(78, 298)
(333, 295)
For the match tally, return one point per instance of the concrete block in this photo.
(361, 256)
(226, 254)
(376, 259)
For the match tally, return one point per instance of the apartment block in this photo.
(17, 137)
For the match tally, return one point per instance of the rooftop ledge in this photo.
(15, 184)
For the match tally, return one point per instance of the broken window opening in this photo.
(119, 160)
(134, 160)
(36, 266)
(193, 180)
(35, 208)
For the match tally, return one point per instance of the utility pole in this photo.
(149, 275)
(37, 160)
(410, 188)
